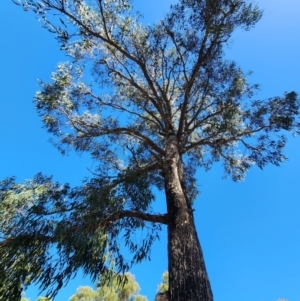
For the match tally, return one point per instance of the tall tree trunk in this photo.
(188, 279)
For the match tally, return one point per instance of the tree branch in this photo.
(153, 218)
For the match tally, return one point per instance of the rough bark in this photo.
(188, 279)
(162, 296)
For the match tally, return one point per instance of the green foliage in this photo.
(164, 285)
(73, 221)
(168, 78)
(115, 288)
(84, 293)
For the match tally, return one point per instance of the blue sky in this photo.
(250, 231)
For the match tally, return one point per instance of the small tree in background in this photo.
(119, 288)
(164, 285)
(84, 293)
(150, 104)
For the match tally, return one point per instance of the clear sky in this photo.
(250, 231)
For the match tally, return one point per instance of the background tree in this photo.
(84, 293)
(164, 285)
(119, 288)
(188, 107)
(163, 288)
(112, 291)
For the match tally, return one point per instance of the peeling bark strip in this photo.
(188, 279)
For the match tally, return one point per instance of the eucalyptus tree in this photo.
(112, 292)
(151, 104)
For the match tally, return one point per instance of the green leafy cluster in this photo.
(49, 231)
(111, 288)
(164, 285)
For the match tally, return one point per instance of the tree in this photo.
(163, 101)
(163, 288)
(164, 285)
(112, 292)
(115, 291)
(84, 293)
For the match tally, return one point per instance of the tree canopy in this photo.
(150, 104)
(111, 291)
(118, 288)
